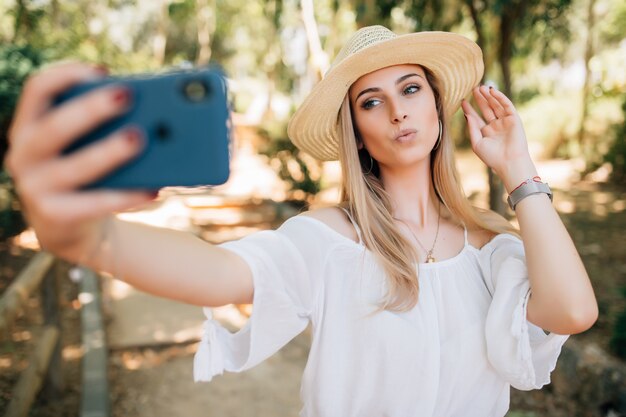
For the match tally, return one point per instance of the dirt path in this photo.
(162, 385)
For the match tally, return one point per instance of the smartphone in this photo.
(184, 117)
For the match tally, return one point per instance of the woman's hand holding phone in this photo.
(68, 221)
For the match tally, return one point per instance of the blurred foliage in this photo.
(538, 43)
(11, 220)
(16, 64)
(616, 155)
(533, 49)
(293, 166)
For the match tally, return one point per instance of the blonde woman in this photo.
(420, 304)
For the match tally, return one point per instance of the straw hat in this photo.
(455, 60)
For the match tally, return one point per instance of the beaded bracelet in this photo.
(528, 187)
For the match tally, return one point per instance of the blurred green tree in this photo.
(16, 64)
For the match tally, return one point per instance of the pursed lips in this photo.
(404, 134)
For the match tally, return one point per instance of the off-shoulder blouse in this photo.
(456, 353)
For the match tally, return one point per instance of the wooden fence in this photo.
(44, 371)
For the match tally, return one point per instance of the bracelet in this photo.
(528, 187)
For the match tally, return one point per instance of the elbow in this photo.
(580, 320)
(584, 319)
(575, 321)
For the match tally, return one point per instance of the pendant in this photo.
(430, 259)
(75, 274)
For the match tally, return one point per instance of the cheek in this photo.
(368, 126)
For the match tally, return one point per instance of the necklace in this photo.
(429, 253)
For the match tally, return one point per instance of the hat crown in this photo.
(362, 39)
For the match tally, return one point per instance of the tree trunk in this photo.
(20, 22)
(583, 142)
(510, 15)
(318, 58)
(205, 22)
(496, 188)
(159, 41)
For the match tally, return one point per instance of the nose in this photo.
(398, 113)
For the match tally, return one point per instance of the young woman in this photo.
(420, 304)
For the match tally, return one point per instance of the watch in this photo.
(528, 187)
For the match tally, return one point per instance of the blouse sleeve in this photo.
(521, 352)
(284, 264)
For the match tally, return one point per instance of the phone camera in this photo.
(195, 90)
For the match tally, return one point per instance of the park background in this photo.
(563, 63)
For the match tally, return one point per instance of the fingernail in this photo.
(134, 137)
(121, 96)
(101, 70)
(491, 87)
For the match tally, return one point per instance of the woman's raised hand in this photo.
(68, 221)
(498, 136)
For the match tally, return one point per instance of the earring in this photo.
(439, 137)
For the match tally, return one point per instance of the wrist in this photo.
(516, 172)
(86, 244)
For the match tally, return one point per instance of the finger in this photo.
(41, 88)
(469, 110)
(60, 127)
(495, 105)
(91, 163)
(483, 105)
(90, 205)
(505, 102)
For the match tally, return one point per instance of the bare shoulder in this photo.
(336, 219)
(479, 238)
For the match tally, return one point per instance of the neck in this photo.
(412, 194)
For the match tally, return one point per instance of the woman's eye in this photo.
(368, 104)
(411, 89)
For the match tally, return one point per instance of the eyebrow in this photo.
(376, 89)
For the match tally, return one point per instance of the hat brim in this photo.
(455, 60)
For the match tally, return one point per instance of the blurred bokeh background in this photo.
(563, 63)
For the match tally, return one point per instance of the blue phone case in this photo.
(185, 119)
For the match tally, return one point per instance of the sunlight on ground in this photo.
(27, 240)
(73, 352)
(118, 290)
(5, 362)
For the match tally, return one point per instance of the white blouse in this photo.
(456, 353)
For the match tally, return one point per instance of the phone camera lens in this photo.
(195, 90)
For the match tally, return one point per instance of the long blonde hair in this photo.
(363, 194)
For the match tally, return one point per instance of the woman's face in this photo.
(395, 113)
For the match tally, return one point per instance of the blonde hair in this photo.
(363, 194)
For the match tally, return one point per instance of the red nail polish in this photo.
(134, 136)
(121, 96)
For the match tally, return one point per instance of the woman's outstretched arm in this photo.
(78, 225)
(562, 299)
